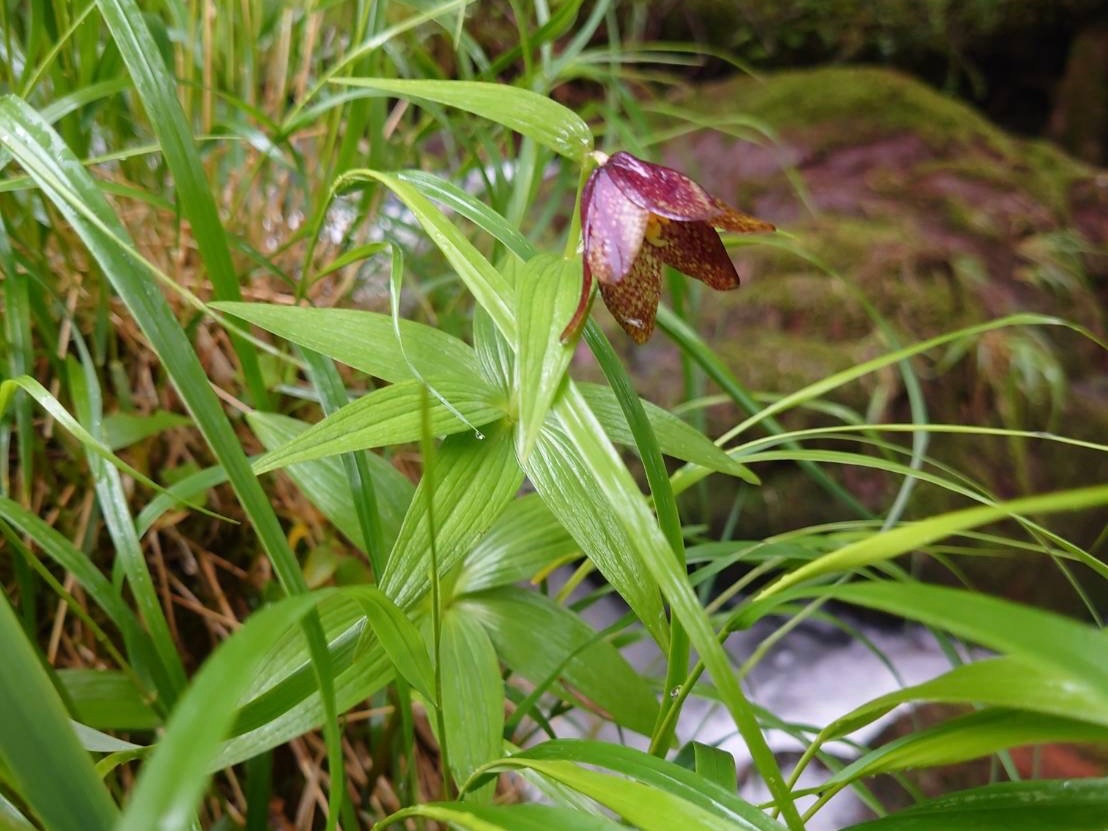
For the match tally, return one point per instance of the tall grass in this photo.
(283, 291)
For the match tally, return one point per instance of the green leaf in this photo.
(543, 641)
(107, 700)
(1069, 805)
(586, 486)
(157, 89)
(124, 429)
(1041, 639)
(472, 698)
(583, 482)
(11, 818)
(475, 477)
(525, 540)
(889, 544)
(365, 341)
(187, 489)
(547, 289)
(152, 651)
(487, 285)
(44, 761)
(522, 817)
(173, 778)
(399, 638)
(390, 415)
(451, 196)
(664, 798)
(325, 483)
(63, 180)
(525, 112)
(64, 553)
(1004, 682)
(675, 437)
(969, 737)
(97, 742)
(90, 443)
(657, 774)
(283, 702)
(494, 353)
(715, 764)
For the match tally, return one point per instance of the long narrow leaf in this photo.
(173, 778)
(546, 293)
(537, 639)
(1069, 805)
(37, 742)
(157, 90)
(364, 340)
(472, 698)
(488, 286)
(522, 817)
(386, 416)
(892, 543)
(526, 112)
(969, 737)
(46, 158)
(325, 484)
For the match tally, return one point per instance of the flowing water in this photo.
(811, 676)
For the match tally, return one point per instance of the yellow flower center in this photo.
(655, 227)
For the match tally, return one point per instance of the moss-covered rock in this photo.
(901, 201)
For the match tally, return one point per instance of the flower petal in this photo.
(661, 190)
(737, 222)
(613, 229)
(694, 248)
(634, 300)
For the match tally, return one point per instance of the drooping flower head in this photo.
(635, 216)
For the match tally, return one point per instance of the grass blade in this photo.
(157, 90)
(42, 758)
(65, 182)
(878, 547)
(1070, 805)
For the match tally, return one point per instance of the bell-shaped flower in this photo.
(637, 216)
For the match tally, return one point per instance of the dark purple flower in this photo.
(635, 216)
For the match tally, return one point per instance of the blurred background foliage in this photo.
(1007, 56)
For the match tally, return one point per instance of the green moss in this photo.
(790, 361)
(865, 102)
(1039, 171)
(884, 257)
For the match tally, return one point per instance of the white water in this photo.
(812, 677)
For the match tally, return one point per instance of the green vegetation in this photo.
(292, 446)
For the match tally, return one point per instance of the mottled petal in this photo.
(613, 229)
(694, 248)
(737, 222)
(634, 301)
(661, 190)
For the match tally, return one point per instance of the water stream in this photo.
(814, 675)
